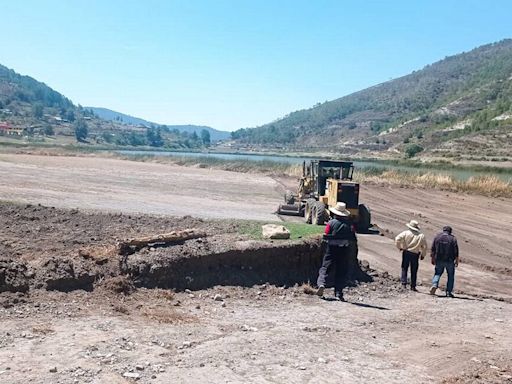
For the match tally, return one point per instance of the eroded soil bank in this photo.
(46, 248)
(268, 333)
(213, 330)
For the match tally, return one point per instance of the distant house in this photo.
(8, 130)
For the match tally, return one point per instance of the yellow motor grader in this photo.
(322, 185)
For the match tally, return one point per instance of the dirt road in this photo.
(255, 335)
(264, 334)
(129, 186)
(482, 224)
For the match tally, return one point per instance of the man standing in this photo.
(445, 255)
(341, 244)
(413, 245)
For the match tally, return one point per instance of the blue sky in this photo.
(233, 64)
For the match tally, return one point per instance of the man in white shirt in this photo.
(413, 245)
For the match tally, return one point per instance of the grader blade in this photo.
(289, 209)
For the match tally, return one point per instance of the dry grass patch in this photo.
(489, 185)
(166, 315)
(482, 185)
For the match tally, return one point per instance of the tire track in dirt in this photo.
(481, 224)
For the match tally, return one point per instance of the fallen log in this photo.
(134, 244)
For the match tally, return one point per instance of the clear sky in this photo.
(237, 63)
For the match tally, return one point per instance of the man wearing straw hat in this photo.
(341, 240)
(413, 245)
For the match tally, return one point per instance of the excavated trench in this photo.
(194, 264)
(72, 250)
(285, 263)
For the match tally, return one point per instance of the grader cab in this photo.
(322, 185)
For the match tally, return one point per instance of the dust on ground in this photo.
(260, 334)
(482, 226)
(135, 187)
(264, 334)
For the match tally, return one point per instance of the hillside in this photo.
(108, 114)
(456, 105)
(32, 112)
(25, 100)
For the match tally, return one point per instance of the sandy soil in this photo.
(129, 186)
(263, 334)
(481, 224)
(255, 335)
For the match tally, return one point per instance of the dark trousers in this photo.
(410, 258)
(337, 258)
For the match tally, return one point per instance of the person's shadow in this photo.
(364, 305)
(457, 298)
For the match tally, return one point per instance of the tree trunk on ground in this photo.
(132, 245)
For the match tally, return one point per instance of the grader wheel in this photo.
(308, 210)
(318, 213)
(364, 223)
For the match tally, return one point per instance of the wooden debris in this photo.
(131, 245)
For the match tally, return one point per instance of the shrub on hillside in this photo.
(412, 149)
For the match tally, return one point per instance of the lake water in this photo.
(460, 174)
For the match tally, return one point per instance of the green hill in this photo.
(27, 99)
(447, 107)
(30, 111)
(110, 115)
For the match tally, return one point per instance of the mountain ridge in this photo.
(420, 108)
(111, 115)
(31, 111)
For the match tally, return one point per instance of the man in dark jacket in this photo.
(341, 244)
(445, 255)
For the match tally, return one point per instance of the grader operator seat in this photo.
(338, 170)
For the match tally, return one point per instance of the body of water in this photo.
(460, 174)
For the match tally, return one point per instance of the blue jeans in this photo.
(450, 270)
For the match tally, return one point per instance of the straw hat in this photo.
(340, 209)
(413, 225)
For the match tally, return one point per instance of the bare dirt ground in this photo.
(255, 335)
(135, 187)
(481, 224)
(263, 334)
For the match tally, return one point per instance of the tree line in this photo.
(153, 136)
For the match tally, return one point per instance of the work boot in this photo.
(414, 289)
(433, 290)
(404, 286)
(339, 296)
(320, 291)
(449, 294)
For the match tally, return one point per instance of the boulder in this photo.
(274, 231)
